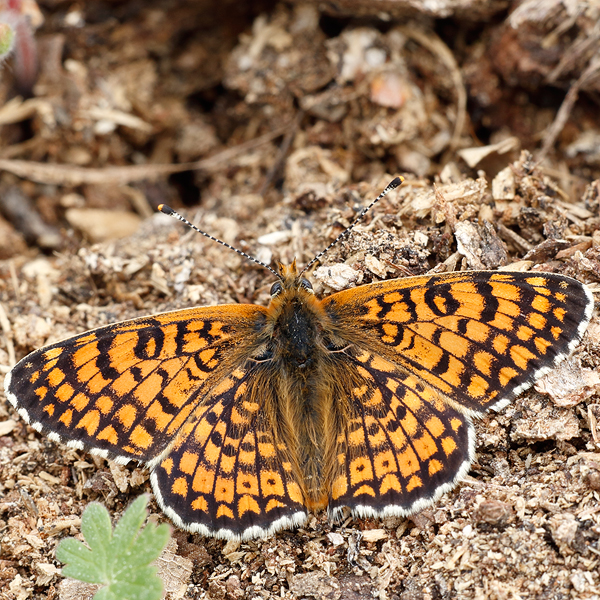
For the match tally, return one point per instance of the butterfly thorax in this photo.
(296, 325)
(296, 335)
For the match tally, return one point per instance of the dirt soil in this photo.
(270, 125)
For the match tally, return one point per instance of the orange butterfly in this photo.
(250, 417)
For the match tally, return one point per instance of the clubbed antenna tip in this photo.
(392, 185)
(167, 210)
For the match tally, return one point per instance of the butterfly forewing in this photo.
(125, 390)
(478, 338)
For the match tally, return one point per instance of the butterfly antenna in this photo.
(390, 186)
(167, 210)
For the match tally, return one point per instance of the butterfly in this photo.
(251, 417)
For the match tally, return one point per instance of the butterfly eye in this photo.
(276, 289)
(306, 284)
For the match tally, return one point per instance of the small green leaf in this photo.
(7, 39)
(129, 525)
(120, 559)
(81, 561)
(105, 593)
(96, 526)
(149, 544)
(150, 589)
(96, 529)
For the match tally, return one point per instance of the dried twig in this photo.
(282, 153)
(71, 175)
(5, 324)
(592, 71)
(21, 212)
(436, 46)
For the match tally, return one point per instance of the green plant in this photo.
(118, 559)
(7, 38)
(18, 21)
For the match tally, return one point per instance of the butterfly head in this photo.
(290, 283)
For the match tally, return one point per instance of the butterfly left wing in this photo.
(478, 338)
(123, 391)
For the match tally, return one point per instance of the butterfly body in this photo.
(251, 417)
(296, 358)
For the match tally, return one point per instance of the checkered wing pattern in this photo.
(226, 474)
(401, 447)
(477, 338)
(124, 391)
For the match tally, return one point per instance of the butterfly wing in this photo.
(226, 475)
(478, 338)
(402, 445)
(429, 352)
(123, 391)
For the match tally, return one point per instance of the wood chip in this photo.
(374, 535)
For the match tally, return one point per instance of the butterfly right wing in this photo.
(123, 391)
(226, 475)
(420, 356)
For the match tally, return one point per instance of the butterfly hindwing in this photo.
(479, 338)
(401, 447)
(226, 475)
(124, 391)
